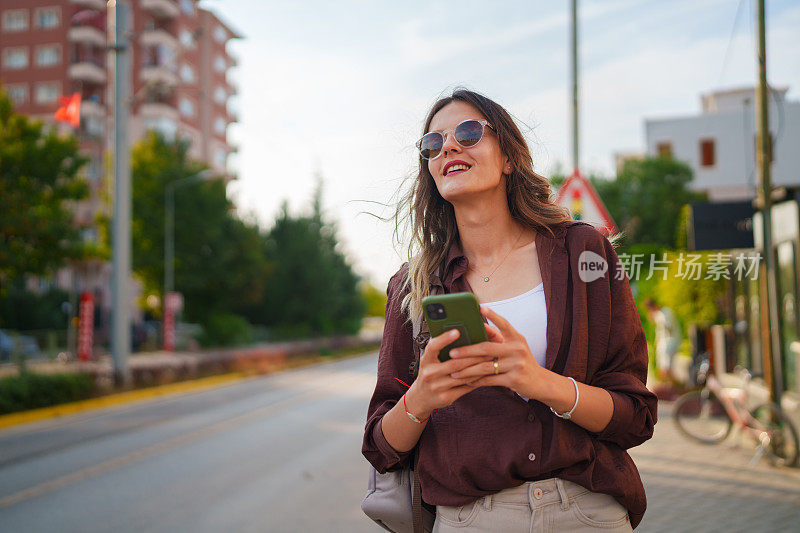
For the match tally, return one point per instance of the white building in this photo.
(719, 144)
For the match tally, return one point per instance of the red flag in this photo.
(70, 110)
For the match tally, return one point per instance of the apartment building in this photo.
(181, 82)
(719, 144)
(182, 87)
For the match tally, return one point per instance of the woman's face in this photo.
(486, 162)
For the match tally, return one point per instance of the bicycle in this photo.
(708, 414)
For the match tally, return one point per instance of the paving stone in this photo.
(699, 488)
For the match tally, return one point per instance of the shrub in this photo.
(225, 330)
(31, 391)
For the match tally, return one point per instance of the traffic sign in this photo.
(579, 196)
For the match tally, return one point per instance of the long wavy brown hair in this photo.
(432, 219)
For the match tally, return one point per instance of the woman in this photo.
(528, 431)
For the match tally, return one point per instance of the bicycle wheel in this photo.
(701, 416)
(783, 441)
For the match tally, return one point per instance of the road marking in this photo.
(198, 434)
(35, 415)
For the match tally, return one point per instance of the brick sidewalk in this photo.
(698, 488)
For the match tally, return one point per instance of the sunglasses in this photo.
(467, 134)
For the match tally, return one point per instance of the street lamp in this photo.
(169, 254)
(169, 225)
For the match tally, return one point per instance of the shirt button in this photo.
(530, 417)
(531, 456)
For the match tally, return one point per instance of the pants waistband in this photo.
(538, 493)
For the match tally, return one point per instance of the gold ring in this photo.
(496, 367)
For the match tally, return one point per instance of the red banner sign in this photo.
(173, 303)
(86, 326)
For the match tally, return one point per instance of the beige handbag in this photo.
(394, 499)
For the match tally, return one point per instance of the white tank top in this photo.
(527, 312)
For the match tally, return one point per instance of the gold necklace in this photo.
(486, 279)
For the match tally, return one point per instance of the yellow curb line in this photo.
(25, 417)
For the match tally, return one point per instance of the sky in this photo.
(341, 89)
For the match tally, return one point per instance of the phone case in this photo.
(462, 313)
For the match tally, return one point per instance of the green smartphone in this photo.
(458, 310)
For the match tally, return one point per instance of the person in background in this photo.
(668, 338)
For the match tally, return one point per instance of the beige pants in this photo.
(536, 507)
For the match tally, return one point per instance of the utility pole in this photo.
(120, 62)
(574, 57)
(770, 337)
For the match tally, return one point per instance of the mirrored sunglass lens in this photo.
(431, 145)
(469, 133)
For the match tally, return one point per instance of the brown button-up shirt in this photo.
(492, 439)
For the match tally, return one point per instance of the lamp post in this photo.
(169, 249)
(169, 225)
(119, 18)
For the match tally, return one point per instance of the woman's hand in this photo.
(435, 387)
(517, 368)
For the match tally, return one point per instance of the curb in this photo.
(35, 415)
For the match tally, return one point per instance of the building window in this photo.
(163, 125)
(707, 152)
(17, 93)
(187, 73)
(220, 64)
(220, 158)
(48, 92)
(219, 125)
(187, 38)
(186, 107)
(15, 20)
(47, 56)
(48, 17)
(220, 95)
(664, 149)
(220, 34)
(187, 6)
(15, 58)
(186, 136)
(93, 126)
(95, 167)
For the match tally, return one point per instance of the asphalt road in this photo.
(282, 453)
(273, 453)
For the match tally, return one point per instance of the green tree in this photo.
(39, 184)
(311, 289)
(374, 299)
(21, 309)
(647, 198)
(219, 262)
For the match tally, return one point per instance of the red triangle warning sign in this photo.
(579, 196)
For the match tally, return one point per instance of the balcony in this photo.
(159, 74)
(87, 34)
(233, 87)
(157, 110)
(90, 108)
(159, 37)
(161, 8)
(99, 5)
(86, 70)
